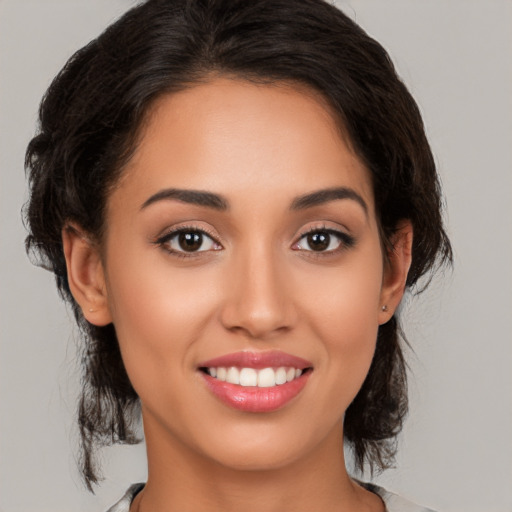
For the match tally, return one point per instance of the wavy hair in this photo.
(90, 118)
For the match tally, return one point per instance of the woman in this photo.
(233, 197)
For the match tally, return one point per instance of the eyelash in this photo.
(165, 240)
(346, 241)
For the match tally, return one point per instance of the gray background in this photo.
(456, 450)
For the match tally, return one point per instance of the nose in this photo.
(259, 302)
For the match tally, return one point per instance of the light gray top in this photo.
(393, 502)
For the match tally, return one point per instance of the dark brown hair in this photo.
(89, 121)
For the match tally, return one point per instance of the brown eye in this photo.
(319, 241)
(324, 240)
(190, 242)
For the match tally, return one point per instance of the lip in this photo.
(257, 360)
(252, 398)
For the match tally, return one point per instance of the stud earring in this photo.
(91, 310)
(384, 308)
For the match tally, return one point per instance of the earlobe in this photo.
(396, 269)
(85, 275)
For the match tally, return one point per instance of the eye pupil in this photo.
(319, 241)
(190, 241)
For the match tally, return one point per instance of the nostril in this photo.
(258, 305)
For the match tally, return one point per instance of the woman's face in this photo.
(243, 235)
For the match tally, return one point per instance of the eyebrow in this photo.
(326, 195)
(218, 202)
(197, 197)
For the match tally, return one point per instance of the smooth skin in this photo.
(254, 280)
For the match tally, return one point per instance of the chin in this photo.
(257, 460)
(262, 447)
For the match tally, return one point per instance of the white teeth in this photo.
(233, 375)
(280, 376)
(265, 378)
(248, 377)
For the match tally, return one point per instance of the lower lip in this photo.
(255, 399)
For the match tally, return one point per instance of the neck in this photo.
(180, 478)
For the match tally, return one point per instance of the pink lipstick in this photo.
(256, 381)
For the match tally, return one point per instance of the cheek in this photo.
(344, 314)
(346, 298)
(158, 314)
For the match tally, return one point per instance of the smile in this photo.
(256, 381)
(265, 378)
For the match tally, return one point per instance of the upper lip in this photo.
(257, 360)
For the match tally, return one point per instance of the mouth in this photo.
(252, 377)
(256, 381)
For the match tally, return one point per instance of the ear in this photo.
(85, 275)
(396, 268)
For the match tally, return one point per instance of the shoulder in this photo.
(394, 502)
(123, 505)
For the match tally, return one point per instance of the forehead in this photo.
(232, 136)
